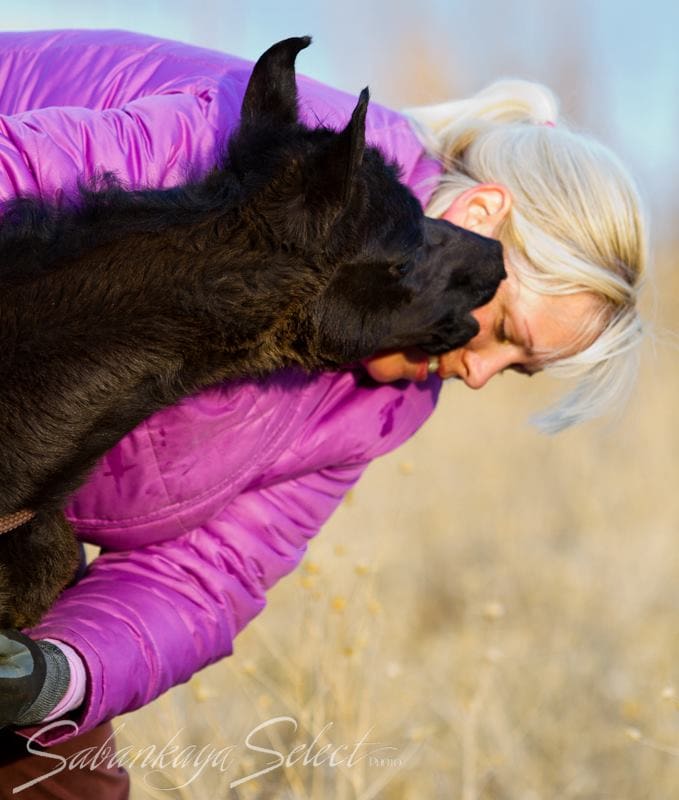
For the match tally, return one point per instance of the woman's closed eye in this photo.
(502, 333)
(522, 369)
(505, 336)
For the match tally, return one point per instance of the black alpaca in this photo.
(300, 248)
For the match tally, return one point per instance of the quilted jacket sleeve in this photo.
(87, 104)
(178, 605)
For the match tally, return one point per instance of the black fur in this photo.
(300, 248)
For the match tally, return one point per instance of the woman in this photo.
(207, 504)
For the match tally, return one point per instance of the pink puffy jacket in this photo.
(205, 505)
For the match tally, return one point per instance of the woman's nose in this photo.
(482, 366)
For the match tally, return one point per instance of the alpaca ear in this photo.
(338, 164)
(271, 93)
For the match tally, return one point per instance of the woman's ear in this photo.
(480, 209)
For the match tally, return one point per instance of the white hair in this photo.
(576, 223)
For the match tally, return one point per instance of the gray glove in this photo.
(34, 676)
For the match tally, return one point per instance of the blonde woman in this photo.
(203, 507)
(570, 220)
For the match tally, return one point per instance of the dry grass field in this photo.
(497, 609)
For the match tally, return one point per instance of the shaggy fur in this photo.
(300, 248)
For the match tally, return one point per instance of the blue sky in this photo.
(613, 62)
